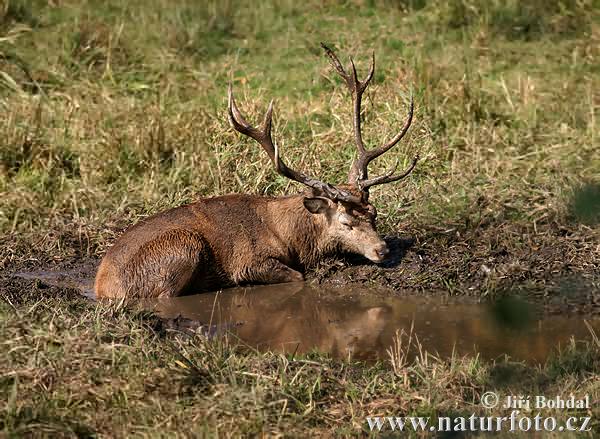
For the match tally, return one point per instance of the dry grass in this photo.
(111, 111)
(75, 369)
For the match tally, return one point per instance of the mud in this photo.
(554, 266)
(354, 321)
(451, 283)
(79, 279)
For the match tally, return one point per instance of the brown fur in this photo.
(233, 239)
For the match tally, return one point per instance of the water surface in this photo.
(359, 322)
(354, 322)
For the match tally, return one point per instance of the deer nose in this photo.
(383, 251)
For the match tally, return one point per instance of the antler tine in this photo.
(376, 152)
(388, 177)
(359, 171)
(363, 160)
(263, 137)
(357, 88)
(335, 62)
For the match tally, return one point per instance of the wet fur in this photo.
(214, 243)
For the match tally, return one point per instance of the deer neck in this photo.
(304, 233)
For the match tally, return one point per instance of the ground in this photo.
(112, 111)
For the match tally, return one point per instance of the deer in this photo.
(238, 239)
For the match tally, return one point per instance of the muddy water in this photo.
(355, 322)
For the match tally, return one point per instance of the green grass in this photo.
(75, 369)
(130, 101)
(110, 111)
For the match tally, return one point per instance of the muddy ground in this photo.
(556, 266)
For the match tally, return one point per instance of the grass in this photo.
(112, 111)
(113, 108)
(76, 369)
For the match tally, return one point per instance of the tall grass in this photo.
(113, 110)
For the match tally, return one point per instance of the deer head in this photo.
(351, 218)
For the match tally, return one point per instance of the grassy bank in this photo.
(113, 111)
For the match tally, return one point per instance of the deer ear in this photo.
(316, 204)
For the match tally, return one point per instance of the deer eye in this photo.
(346, 220)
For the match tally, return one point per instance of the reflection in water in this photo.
(353, 322)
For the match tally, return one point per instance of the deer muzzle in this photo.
(378, 253)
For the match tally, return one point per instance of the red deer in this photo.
(241, 239)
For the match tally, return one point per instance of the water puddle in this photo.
(354, 322)
(358, 322)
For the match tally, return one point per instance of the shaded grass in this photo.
(586, 204)
(518, 20)
(77, 369)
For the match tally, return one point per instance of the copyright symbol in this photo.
(489, 400)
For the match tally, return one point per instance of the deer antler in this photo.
(263, 136)
(358, 174)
